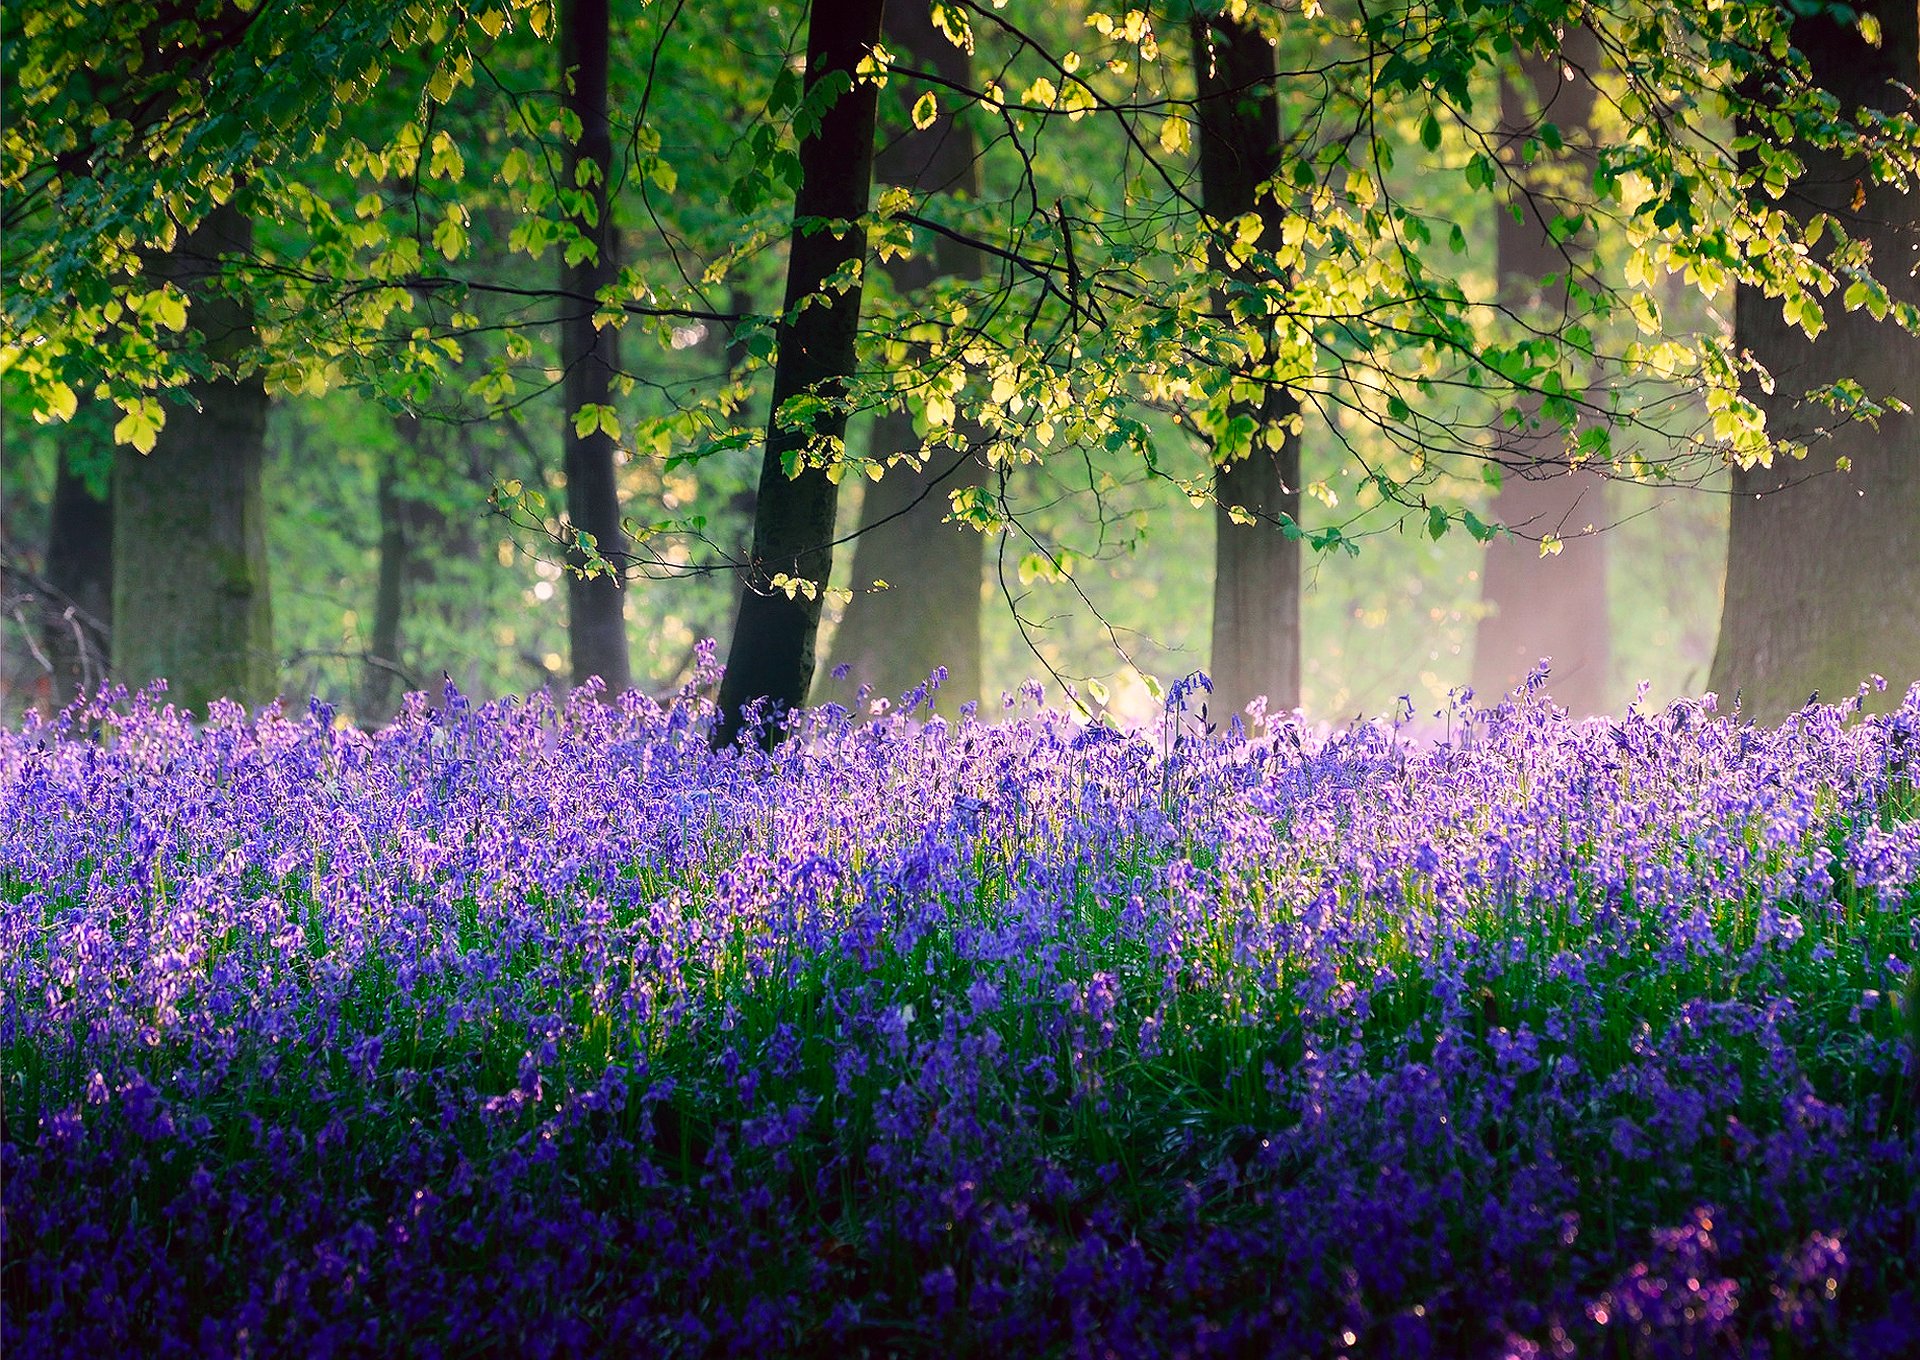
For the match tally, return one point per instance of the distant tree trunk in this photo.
(1256, 584)
(1556, 606)
(893, 639)
(190, 592)
(1823, 574)
(389, 594)
(596, 605)
(79, 564)
(771, 657)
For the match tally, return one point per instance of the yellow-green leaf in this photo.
(140, 427)
(61, 402)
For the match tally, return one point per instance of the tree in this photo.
(132, 135)
(382, 665)
(1823, 561)
(191, 602)
(590, 356)
(929, 616)
(771, 657)
(79, 567)
(1256, 585)
(1552, 605)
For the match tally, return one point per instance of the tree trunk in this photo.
(930, 616)
(1256, 585)
(1823, 566)
(771, 658)
(596, 605)
(389, 595)
(1538, 607)
(190, 595)
(79, 565)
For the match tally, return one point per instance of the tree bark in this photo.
(389, 595)
(1823, 566)
(1256, 586)
(771, 658)
(930, 616)
(79, 564)
(1538, 607)
(596, 605)
(190, 592)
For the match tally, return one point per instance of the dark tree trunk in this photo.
(1538, 607)
(1256, 584)
(1823, 567)
(596, 605)
(190, 596)
(893, 639)
(389, 594)
(79, 565)
(771, 658)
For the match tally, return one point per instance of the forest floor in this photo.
(543, 1029)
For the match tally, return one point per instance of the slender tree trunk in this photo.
(1256, 585)
(1551, 607)
(771, 658)
(596, 605)
(79, 564)
(1823, 566)
(930, 616)
(389, 595)
(190, 592)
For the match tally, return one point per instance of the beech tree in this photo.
(1256, 584)
(771, 657)
(191, 600)
(139, 139)
(1551, 606)
(590, 356)
(78, 619)
(928, 616)
(1823, 553)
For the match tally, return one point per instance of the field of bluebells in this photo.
(540, 1029)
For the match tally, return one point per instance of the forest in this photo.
(941, 676)
(1467, 339)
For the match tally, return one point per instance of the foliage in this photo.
(1102, 300)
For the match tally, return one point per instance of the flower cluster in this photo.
(543, 1028)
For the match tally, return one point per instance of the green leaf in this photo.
(168, 308)
(1437, 522)
(60, 402)
(140, 426)
(450, 237)
(591, 417)
(1430, 132)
